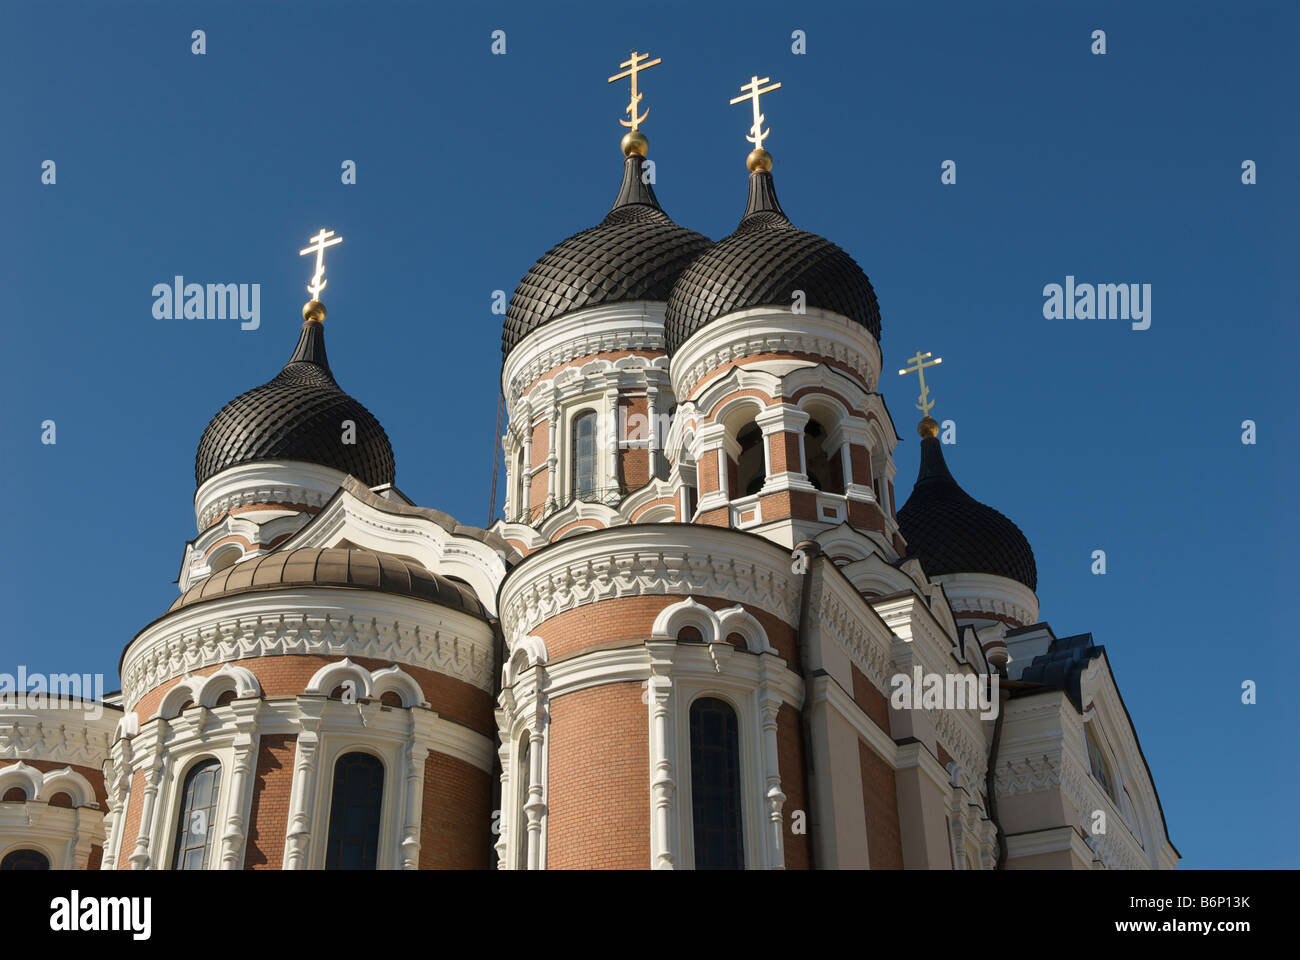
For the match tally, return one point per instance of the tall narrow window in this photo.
(1097, 761)
(715, 786)
(353, 842)
(814, 455)
(584, 456)
(520, 480)
(751, 470)
(521, 818)
(197, 824)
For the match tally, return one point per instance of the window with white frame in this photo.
(717, 821)
(196, 825)
(355, 808)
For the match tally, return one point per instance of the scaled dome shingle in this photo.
(297, 415)
(635, 253)
(952, 532)
(761, 264)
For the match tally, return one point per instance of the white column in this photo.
(241, 791)
(774, 796)
(414, 754)
(297, 842)
(535, 807)
(846, 464)
(611, 495)
(526, 489)
(552, 459)
(153, 779)
(663, 785)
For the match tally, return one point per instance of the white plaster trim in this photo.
(760, 330)
(352, 623)
(265, 481)
(607, 328)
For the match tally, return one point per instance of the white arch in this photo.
(230, 677)
(686, 613)
(739, 620)
(189, 688)
(529, 652)
(332, 675)
(713, 627)
(393, 679)
(21, 775)
(68, 781)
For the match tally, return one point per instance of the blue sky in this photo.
(1090, 435)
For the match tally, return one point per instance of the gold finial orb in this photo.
(758, 159)
(313, 310)
(635, 142)
(928, 427)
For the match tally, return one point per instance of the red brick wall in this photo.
(598, 789)
(539, 450)
(96, 859)
(268, 816)
(627, 620)
(789, 744)
(456, 816)
(872, 701)
(131, 822)
(880, 802)
(634, 464)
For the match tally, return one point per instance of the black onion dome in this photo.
(952, 532)
(635, 253)
(761, 264)
(297, 416)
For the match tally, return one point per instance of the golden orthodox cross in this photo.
(634, 64)
(319, 243)
(918, 364)
(755, 89)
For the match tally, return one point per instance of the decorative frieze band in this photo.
(442, 647)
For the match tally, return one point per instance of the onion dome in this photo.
(336, 568)
(298, 415)
(635, 253)
(761, 264)
(952, 532)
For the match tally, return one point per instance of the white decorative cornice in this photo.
(608, 328)
(647, 559)
(266, 481)
(974, 593)
(57, 736)
(761, 330)
(315, 621)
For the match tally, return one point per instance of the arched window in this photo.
(224, 557)
(815, 459)
(584, 455)
(353, 842)
(1097, 762)
(25, 860)
(521, 818)
(715, 786)
(197, 823)
(750, 468)
(15, 795)
(518, 505)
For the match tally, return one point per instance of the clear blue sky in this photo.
(1117, 168)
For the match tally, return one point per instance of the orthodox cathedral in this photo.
(688, 643)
